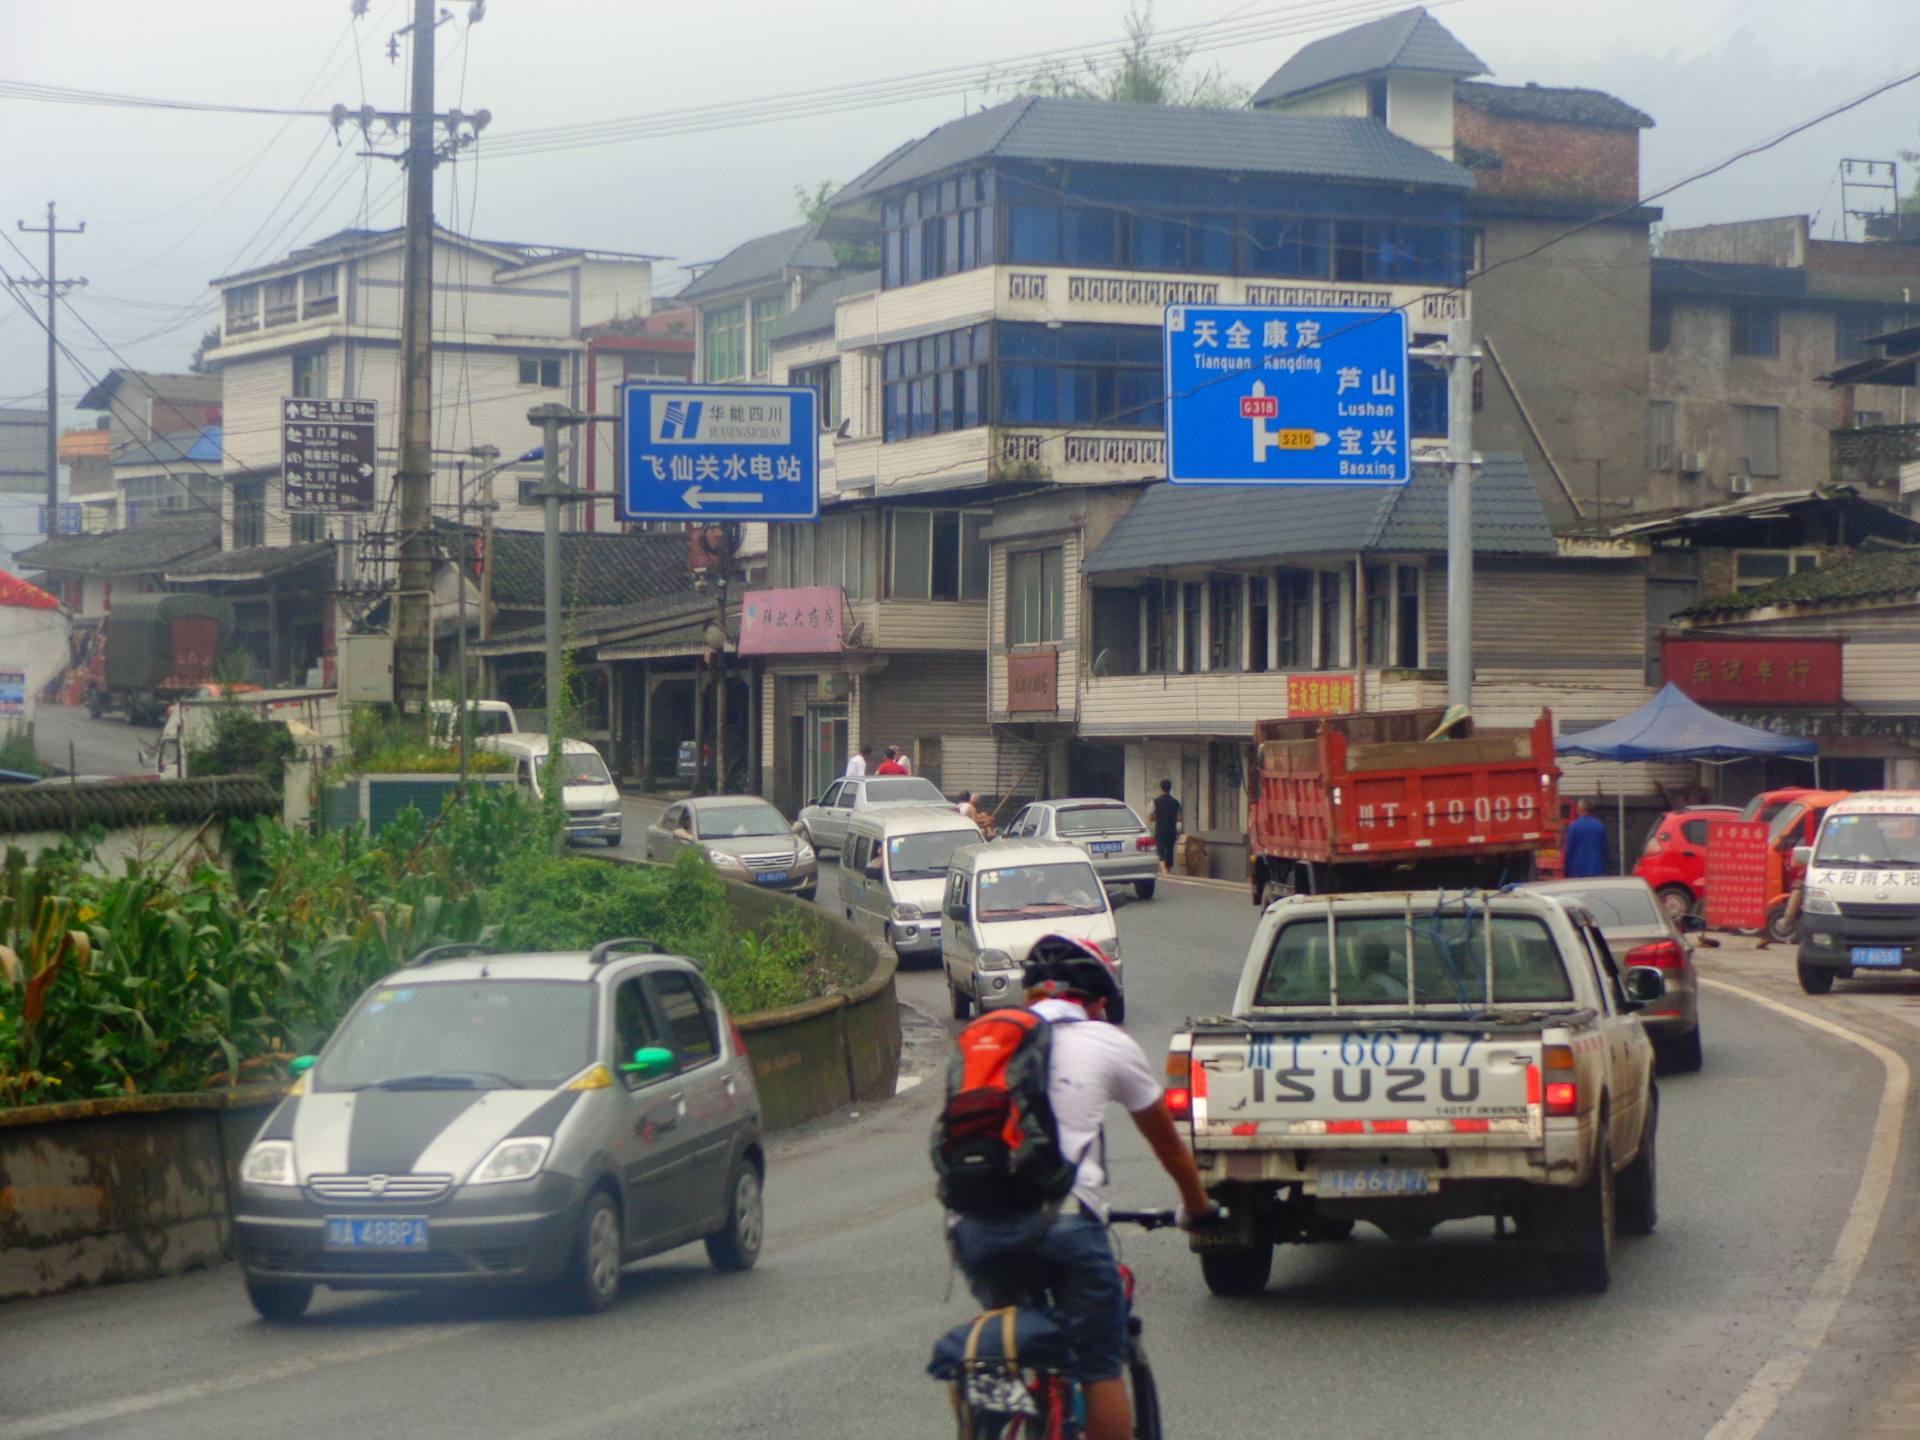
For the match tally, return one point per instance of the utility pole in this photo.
(413, 600)
(552, 494)
(722, 545)
(1460, 356)
(55, 288)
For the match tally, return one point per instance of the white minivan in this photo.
(588, 794)
(1000, 899)
(1860, 911)
(893, 873)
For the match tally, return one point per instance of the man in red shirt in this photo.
(891, 765)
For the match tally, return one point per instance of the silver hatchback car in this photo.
(1112, 836)
(532, 1119)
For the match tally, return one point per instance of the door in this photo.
(854, 897)
(660, 842)
(836, 808)
(653, 1145)
(956, 931)
(685, 1008)
(1628, 1050)
(827, 745)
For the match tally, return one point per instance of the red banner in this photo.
(1737, 874)
(1310, 697)
(1755, 671)
(806, 621)
(1033, 682)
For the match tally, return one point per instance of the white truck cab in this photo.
(1860, 910)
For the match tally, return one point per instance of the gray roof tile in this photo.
(814, 313)
(765, 257)
(145, 548)
(1409, 40)
(1868, 575)
(1206, 525)
(599, 569)
(1568, 105)
(1107, 132)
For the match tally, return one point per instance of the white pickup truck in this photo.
(1407, 1059)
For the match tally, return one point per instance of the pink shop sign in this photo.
(807, 621)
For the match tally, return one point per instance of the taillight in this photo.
(1143, 842)
(1562, 1095)
(1180, 1102)
(1661, 955)
(739, 1040)
(1179, 1084)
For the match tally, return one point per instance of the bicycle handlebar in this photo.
(1152, 1219)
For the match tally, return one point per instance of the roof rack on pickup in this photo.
(458, 950)
(623, 945)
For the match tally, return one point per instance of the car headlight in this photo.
(802, 853)
(908, 912)
(1819, 902)
(1111, 949)
(995, 960)
(269, 1162)
(517, 1158)
(723, 861)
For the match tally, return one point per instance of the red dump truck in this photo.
(1366, 802)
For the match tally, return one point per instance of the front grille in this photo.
(781, 861)
(391, 1187)
(1868, 910)
(283, 1260)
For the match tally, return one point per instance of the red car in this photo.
(1675, 860)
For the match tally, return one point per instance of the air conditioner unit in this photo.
(1692, 462)
(1740, 484)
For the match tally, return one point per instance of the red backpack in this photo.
(996, 1147)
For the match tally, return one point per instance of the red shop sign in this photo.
(1750, 671)
(1033, 682)
(1310, 697)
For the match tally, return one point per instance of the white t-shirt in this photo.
(1094, 1065)
(856, 764)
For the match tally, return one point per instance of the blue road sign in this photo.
(1257, 396)
(721, 452)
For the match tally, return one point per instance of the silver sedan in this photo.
(1108, 831)
(745, 838)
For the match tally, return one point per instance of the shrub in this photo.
(244, 743)
(17, 752)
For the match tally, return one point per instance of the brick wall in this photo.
(1549, 158)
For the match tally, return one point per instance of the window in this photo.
(525, 493)
(1294, 594)
(1224, 635)
(1867, 419)
(320, 292)
(1660, 324)
(766, 310)
(1259, 609)
(726, 343)
(1660, 451)
(310, 375)
(1850, 331)
(283, 300)
(1406, 617)
(308, 527)
(824, 381)
(1694, 832)
(1377, 98)
(243, 310)
(936, 555)
(1428, 411)
(249, 513)
(1758, 430)
(833, 552)
(1156, 620)
(1380, 597)
(935, 384)
(1035, 597)
(1192, 601)
(1393, 253)
(1332, 621)
(1079, 375)
(938, 229)
(1285, 245)
(1756, 330)
(1754, 568)
(633, 1025)
(541, 371)
(688, 1013)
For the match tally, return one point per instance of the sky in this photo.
(172, 198)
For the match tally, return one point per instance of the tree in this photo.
(200, 365)
(1147, 74)
(813, 208)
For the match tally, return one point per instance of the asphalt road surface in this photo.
(67, 738)
(1758, 1309)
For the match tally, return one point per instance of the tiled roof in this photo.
(1410, 40)
(143, 383)
(146, 548)
(1111, 132)
(1568, 105)
(1204, 525)
(255, 562)
(1868, 575)
(814, 314)
(597, 569)
(763, 258)
(1725, 277)
(123, 803)
(609, 620)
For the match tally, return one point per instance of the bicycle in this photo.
(1007, 1375)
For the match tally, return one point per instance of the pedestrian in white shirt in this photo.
(857, 762)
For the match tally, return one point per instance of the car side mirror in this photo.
(1803, 856)
(1644, 985)
(650, 1062)
(300, 1064)
(1692, 924)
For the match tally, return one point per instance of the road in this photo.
(1762, 1155)
(67, 738)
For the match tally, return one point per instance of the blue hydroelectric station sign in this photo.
(1257, 396)
(721, 452)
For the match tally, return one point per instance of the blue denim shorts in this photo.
(1087, 1292)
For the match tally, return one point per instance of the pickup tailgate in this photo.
(1259, 1087)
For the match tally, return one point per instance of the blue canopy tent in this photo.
(1671, 726)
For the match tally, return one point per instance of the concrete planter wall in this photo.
(134, 1188)
(375, 800)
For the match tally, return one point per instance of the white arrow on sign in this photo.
(365, 469)
(695, 496)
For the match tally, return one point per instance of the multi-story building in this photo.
(142, 413)
(639, 350)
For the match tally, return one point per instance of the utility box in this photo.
(366, 669)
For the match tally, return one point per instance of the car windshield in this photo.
(1362, 960)
(924, 857)
(731, 822)
(912, 788)
(490, 1034)
(492, 722)
(1784, 819)
(1617, 907)
(1038, 892)
(584, 768)
(1094, 819)
(1891, 841)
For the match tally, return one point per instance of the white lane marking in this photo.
(657, 1401)
(91, 1415)
(906, 1083)
(1772, 1383)
(1206, 882)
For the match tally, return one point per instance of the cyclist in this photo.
(1069, 983)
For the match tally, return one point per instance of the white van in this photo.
(1861, 907)
(1000, 899)
(489, 717)
(591, 799)
(893, 872)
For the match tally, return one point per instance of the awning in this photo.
(1672, 727)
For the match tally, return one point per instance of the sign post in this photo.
(327, 454)
(720, 452)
